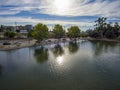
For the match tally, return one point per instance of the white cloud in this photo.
(29, 20)
(9, 12)
(84, 25)
(35, 21)
(74, 8)
(19, 2)
(69, 8)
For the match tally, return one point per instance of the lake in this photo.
(85, 65)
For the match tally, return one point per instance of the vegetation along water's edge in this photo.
(41, 35)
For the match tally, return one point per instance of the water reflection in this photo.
(0, 69)
(63, 70)
(58, 50)
(73, 47)
(41, 55)
(60, 59)
(102, 46)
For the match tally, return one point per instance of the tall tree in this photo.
(103, 29)
(40, 32)
(73, 32)
(109, 33)
(116, 29)
(1, 28)
(101, 25)
(58, 31)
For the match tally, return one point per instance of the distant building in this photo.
(19, 29)
(11, 28)
(23, 31)
(28, 27)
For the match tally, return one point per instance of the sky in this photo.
(82, 13)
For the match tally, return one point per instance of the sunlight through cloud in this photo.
(61, 7)
(65, 12)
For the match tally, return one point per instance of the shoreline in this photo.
(13, 48)
(30, 43)
(22, 44)
(104, 39)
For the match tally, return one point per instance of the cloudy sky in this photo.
(82, 13)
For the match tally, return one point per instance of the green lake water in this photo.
(85, 65)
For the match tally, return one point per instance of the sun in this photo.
(61, 5)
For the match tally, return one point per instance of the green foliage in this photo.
(116, 29)
(101, 25)
(83, 34)
(73, 32)
(40, 32)
(30, 33)
(104, 30)
(58, 31)
(1, 28)
(9, 34)
(93, 33)
(109, 34)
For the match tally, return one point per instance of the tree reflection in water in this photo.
(73, 47)
(0, 69)
(58, 50)
(102, 46)
(41, 55)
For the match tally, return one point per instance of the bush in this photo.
(9, 34)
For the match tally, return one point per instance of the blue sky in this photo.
(82, 13)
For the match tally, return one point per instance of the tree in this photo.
(101, 25)
(73, 32)
(83, 34)
(116, 29)
(40, 32)
(29, 35)
(1, 28)
(109, 33)
(95, 34)
(9, 34)
(89, 32)
(105, 30)
(58, 31)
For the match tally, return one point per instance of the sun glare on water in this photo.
(60, 60)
